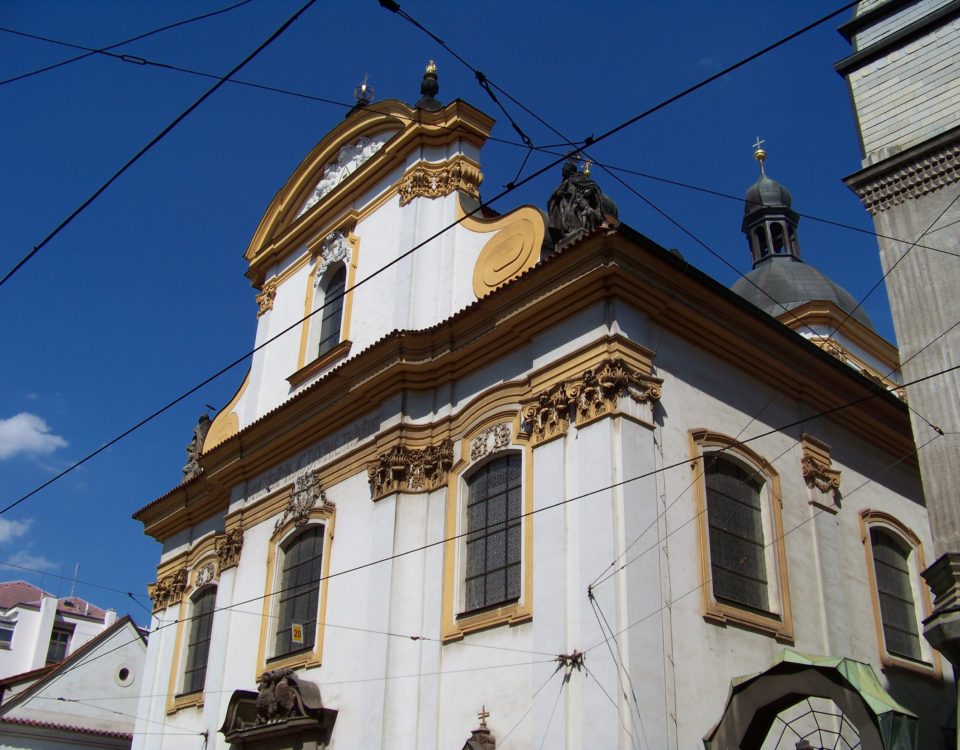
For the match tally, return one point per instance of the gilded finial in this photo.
(364, 92)
(431, 68)
(759, 154)
(586, 167)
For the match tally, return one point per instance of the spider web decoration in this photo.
(812, 724)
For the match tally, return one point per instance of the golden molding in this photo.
(403, 469)
(434, 180)
(266, 297)
(593, 395)
(513, 249)
(168, 590)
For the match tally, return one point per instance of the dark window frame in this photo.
(203, 606)
(298, 591)
(331, 315)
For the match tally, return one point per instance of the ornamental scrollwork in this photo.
(168, 590)
(491, 440)
(335, 248)
(204, 575)
(594, 394)
(437, 180)
(304, 497)
(349, 159)
(818, 474)
(228, 548)
(266, 297)
(403, 469)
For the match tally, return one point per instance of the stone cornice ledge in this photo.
(919, 170)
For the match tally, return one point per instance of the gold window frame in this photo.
(778, 622)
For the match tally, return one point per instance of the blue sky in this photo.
(143, 295)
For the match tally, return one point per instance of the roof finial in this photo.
(364, 92)
(483, 715)
(759, 154)
(429, 88)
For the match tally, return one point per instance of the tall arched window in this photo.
(898, 609)
(743, 557)
(331, 318)
(198, 643)
(494, 538)
(298, 597)
(737, 546)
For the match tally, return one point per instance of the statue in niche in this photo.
(575, 208)
(195, 448)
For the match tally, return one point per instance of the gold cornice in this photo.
(282, 230)
(436, 179)
(828, 315)
(603, 268)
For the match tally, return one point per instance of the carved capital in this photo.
(305, 495)
(817, 468)
(228, 547)
(594, 394)
(266, 297)
(168, 590)
(435, 180)
(403, 469)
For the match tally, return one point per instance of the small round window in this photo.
(124, 675)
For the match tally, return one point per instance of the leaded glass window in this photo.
(198, 644)
(735, 520)
(332, 315)
(298, 599)
(891, 562)
(493, 534)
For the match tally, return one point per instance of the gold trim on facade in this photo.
(409, 470)
(436, 179)
(168, 590)
(226, 424)
(779, 623)
(868, 519)
(818, 472)
(266, 297)
(595, 394)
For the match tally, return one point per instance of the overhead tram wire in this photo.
(90, 52)
(155, 140)
(548, 149)
(582, 496)
(506, 191)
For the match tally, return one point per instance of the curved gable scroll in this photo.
(346, 165)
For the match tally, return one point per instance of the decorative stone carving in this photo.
(349, 160)
(266, 297)
(816, 467)
(436, 180)
(204, 575)
(195, 448)
(575, 208)
(596, 393)
(489, 441)
(931, 171)
(168, 590)
(403, 469)
(285, 711)
(228, 547)
(832, 348)
(335, 248)
(304, 496)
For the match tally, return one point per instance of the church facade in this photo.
(531, 480)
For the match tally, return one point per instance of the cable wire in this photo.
(138, 37)
(154, 141)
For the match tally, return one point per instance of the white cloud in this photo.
(27, 434)
(13, 529)
(25, 559)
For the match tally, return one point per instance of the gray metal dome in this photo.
(793, 283)
(766, 192)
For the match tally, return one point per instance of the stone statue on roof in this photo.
(195, 448)
(575, 209)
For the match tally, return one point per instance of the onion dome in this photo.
(780, 280)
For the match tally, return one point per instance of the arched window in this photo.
(898, 609)
(198, 643)
(331, 317)
(494, 539)
(743, 559)
(298, 594)
(760, 238)
(776, 232)
(737, 545)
